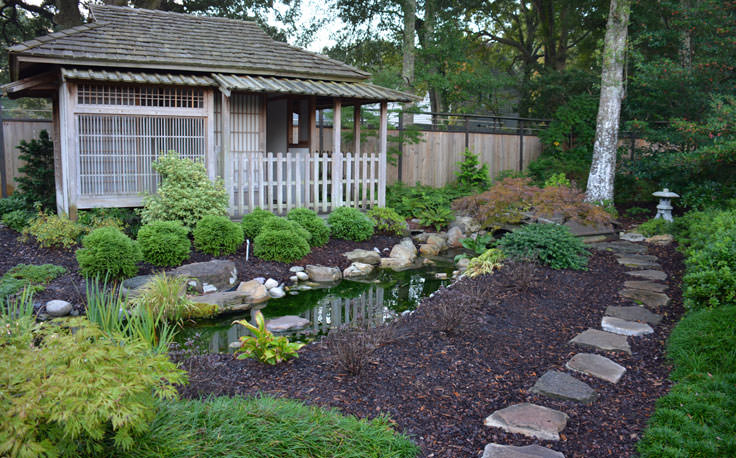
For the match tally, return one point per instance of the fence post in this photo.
(3, 178)
(401, 147)
(521, 145)
(467, 133)
(336, 155)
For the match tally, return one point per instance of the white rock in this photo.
(260, 280)
(296, 269)
(207, 288)
(271, 283)
(631, 236)
(293, 279)
(302, 276)
(276, 293)
(236, 344)
(58, 308)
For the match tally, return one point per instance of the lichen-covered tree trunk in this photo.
(603, 168)
(408, 50)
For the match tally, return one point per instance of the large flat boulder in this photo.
(526, 451)
(226, 301)
(323, 274)
(648, 298)
(404, 249)
(530, 420)
(620, 247)
(210, 276)
(396, 263)
(254, 290)
(364, 256)
(597, 366)
(639, 261)
(634, 313)
(559, 385)
(357, 270)
(585, 230)
(624, 327)
(602, 340)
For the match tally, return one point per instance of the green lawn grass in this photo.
(266, 427)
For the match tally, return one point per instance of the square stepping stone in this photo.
(638, 261)
(620, 247)
(624, 327)
(597, 366)
(634, 313)
(556, 384)
(655, 275)
(527, 451)
(648, 298)
(530, 420)
(602, 340)
(645, 285)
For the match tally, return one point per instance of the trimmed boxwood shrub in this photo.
(550, 244)
(217, 235)
(280, 245)
(164, 243)
(350, 224)
(309, 220)
(108, 253)
(253, 222)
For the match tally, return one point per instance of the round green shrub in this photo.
(350, 224)
(550, 244)
(108, 253)
(283, 224)
(253, 222)
(309, 220)
(281, 245)
(217, 235)
(164, 243)
(388, 220)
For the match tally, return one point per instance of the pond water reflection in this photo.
(374, 301)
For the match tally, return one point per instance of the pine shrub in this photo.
(316, 226)
(36, 184)
(217, 235)
(387, 220)
(282, 224)
(549, 244)
(164, 243)
(185, 194)
(350, 224)
(472, 174)
(253, 222)
(108, 253)
(282, 246)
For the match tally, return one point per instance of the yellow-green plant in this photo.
(51, 230)
(166, 294)
(485, 263)
(263, 345)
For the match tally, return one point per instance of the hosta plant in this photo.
(263, 345)
(477, 245)
(485, 263)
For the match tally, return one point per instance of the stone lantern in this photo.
(664, 208)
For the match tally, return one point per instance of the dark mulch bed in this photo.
(71, 286)
(439, 388)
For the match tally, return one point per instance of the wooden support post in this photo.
(64, 127)
(321, 130)
(521, 145)
(356, 128)
(56, 137)
(211, 160)
(336, 178)
(382, 150)
(400, 160)
(227, 160)
(313, 134)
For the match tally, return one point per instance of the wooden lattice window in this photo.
(116, 151)
(140, 96)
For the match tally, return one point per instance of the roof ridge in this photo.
(37, 41)
(173, 13)
(326, 58)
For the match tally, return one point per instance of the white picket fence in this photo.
(318, 181)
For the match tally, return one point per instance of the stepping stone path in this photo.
(618, 323)
(648, 298)
(556, 384)
(596, 366)
(633, 313)
(530, 420)
(527, 451)
(656, 275)
(602, 340)
(624, 327)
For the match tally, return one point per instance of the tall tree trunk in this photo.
(603, 168)
(68, 14)
(408, 54)
(686, 38)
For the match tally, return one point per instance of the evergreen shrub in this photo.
(164, 243)
(17, 220)
(253, 222)
(282, 246)
(283, 224)
(549, 244)
(217, 235)
(387, 220)
(185, 194)
(655, 226)
(36, 183)
(350, 224)
(108, 253)
(309, 220)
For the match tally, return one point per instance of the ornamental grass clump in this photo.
(253, 222)
(107, 253)
(350, 224)
(164, 243)
(185, 194)
(217, 235)
(549, 244)
(486, 263)
(309, 220)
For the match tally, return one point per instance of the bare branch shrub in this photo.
(351, 347)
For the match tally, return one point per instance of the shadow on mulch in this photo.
(439, 389)
(71, 286)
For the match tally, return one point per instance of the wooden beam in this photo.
(382, 154)
(337, 155)
(227, 162)
(313, 134)
(63, 206)
(356, 129)
(210, 159)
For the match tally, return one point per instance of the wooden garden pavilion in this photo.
(133, 84)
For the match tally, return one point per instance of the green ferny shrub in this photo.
(217, 235)
(108, 253)
(164, 243)
(550, 244)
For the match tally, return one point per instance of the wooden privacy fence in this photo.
(318, 181)
(13, 131)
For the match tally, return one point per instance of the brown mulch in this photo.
(439, 388)
(71, 286)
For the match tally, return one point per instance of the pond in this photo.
(373, 300)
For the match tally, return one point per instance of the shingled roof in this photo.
(136, 38)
